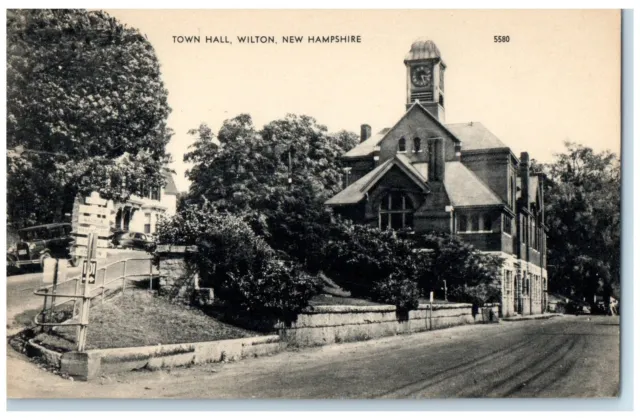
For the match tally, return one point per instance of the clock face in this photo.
(421, 76)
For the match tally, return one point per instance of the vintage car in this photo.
(134, 240)
(37, 243)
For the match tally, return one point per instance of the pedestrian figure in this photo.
(613, 310)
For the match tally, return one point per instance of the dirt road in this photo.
(560, 357)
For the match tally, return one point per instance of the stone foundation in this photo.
(93, 363)
(322, 325)
(177, 277)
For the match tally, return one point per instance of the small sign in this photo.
(93, 220)
(430, 297)
(81, 251)
(95, 210)
(62, 270)
(98, 230)
(49, 270)
(89, 270)
(84, 241)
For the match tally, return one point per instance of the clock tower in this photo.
(425, 77)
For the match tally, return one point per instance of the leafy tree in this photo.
(243, 269)
(582, 211)
(87, 106)
(373, 263)
(470, 275)
(277, 178)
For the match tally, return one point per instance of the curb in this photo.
(90, 364)
(529, 317)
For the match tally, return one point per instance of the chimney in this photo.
(524, 179)
(365, 132)
(439, 159)
(458, 150)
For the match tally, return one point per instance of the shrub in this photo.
(240, 266)
(372, 263)
(471, 275)
(397, 290)
(279, 292)
(188, 225)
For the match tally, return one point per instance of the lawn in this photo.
(142, 319)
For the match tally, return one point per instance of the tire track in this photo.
(486, 389)
(539, 366)
(407, 389)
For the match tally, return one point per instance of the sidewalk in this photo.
(529, 317)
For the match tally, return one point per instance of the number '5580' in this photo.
(501, 38)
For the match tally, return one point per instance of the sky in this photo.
(557, 79)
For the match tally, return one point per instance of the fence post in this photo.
(151, 275)
(104, 276)
(86, 299)
(44, 307)
(54, 288)
(124, 278)
(431, 311)
(75, 299)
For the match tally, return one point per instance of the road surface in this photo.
(561, 357)
(21, 302)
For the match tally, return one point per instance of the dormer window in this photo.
(402, 145)
(417, 146)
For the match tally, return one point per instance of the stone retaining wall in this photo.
(176, 279)
(93, 363)
(322, 325)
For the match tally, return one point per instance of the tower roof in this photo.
(421, 49)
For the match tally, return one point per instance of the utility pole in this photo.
(290, 177)
(445, 291)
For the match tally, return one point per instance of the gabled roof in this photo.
(475, 136)
(366, 147)
(358, 190)
(464, 188)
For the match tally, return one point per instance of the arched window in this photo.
(402, 145)
(417, 146)
(395, 211)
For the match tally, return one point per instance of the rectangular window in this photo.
(396, 220)
(147, 223)
(155, 193)
(507, 281)
(475, 223)
(506, 220)
(384, 221)
(463, 223)
(510, 194)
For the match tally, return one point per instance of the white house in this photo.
(140, 214)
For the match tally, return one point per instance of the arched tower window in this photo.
(417, 145)
(402, 145)
(395, 211)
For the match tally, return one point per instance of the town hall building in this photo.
(426, 175)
